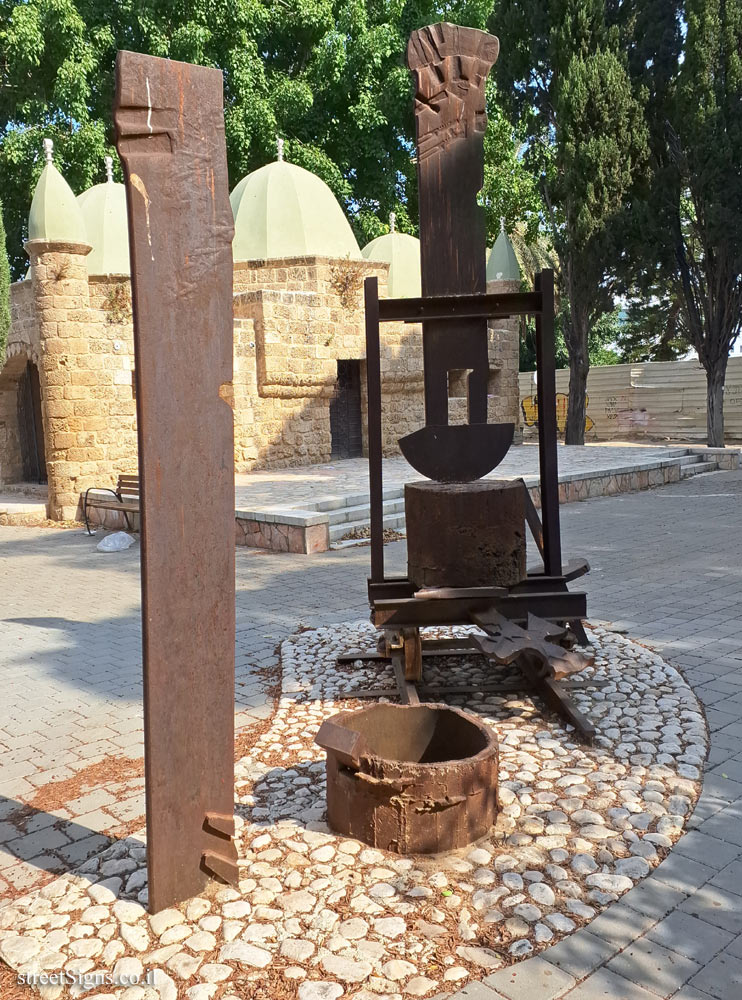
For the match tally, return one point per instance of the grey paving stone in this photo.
(683, 873)
(80, 850)
(37, 843)
(619, 925)
(653, 898)
(717, 906)
(730, 878)
(477, 991)
(725, 824)
(580, 953)
(735, 948)
(723, 788)
(607, 985)
(690, 993)
(721, 978)
(689, 936)
(534, 978)
(731, 768)
(656, 968)
(707, 850)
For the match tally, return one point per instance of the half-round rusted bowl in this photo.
(413, 779)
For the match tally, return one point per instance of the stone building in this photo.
(67, 406)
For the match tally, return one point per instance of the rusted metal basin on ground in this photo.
(413, 779)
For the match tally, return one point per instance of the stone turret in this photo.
(57, 247)
(503, 275)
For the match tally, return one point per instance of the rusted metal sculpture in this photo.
(450, 66)
(170, 137)
(411, 780)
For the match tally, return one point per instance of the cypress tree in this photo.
(565, 76)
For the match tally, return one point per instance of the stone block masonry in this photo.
(295, 319)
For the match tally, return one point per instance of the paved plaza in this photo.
(304, 485)
(666, 569)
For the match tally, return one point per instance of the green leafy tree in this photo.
(328, 76)
(653, 328)
(4, 291)
(567, 84)
(510, 191)
(687, 56)
(602, 350)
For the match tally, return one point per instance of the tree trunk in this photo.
(574, 432)
(715, 377)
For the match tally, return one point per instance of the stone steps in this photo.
(323, 522)
(394, 518)
(355, 516)
(695, 466)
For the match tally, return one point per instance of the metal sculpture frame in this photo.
(396, 604)
(523, 623)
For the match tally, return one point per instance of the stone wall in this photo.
(22, 347)
(294, 320)
(85, 367)
(504, 355)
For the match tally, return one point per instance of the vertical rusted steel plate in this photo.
(170, 136)
(450, 64)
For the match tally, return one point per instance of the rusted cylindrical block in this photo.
(413, 779)
(466, 534)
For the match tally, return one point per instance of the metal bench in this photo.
(125, 498)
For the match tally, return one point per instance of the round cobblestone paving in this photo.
(319, 917)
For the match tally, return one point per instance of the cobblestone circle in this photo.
(319, 917)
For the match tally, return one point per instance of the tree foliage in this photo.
(569, 87)
(328, 76)
(688, 57)
(4, 291)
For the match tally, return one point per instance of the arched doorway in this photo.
(345, 412)
(31, 426)
(22, 455)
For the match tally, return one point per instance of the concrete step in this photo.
(362, 512)
(394, 521)
(354, 499)
(697, 469)
(690, 459)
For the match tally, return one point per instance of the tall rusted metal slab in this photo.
(450, 64)
(170, 137)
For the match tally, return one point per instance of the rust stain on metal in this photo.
(420, 779)
(169, 124)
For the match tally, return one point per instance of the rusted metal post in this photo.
(373, 403)
(170, 137)
(547, 425)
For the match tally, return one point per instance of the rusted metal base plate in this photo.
(421, 778)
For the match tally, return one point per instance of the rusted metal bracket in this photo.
(220, 861)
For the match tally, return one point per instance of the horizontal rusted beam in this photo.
(459, 307)
(457, 611)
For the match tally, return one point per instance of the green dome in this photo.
(402, 253)
(55, 215)
(503, 264)
(104, 212)
(282, 210)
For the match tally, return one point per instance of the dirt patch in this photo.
(360, 534)
(57, 794)
(9, 988)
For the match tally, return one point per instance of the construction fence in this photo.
(656, 400)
